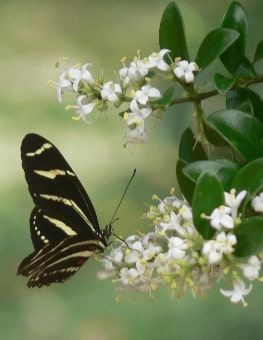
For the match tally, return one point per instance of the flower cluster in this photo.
(133, 88)
(177, 255)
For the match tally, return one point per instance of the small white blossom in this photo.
(147, 91)
(135, 132)
(214, 250)
(84, 107)
(172, 224)
(220, 218)
(76, 74)
(138, 70)
(143, 112)
(185, 70)
(64, 84)
(238, 293)
(111, 92)
(156, 60)
(177, 247)
(134, 253)
(257, 203)
(252, 268)
(129, 276)
(233, 201)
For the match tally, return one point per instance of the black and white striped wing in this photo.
(57, 262)
(64, 226)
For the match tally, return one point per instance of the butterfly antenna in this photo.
(122, 197)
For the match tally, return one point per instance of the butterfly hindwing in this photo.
(56, 262)
(63, 224)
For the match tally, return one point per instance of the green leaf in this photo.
(250, 177)
(172, 34)
(187, 187)
(235, 18)
(246, 106)
(246, 69)
(212, 134)
(249, 237)
(258, 53)
(236, 98)
(243, 132)
(223, 84)
(208, 195)
(166, 99)
(224, 169)
(189, 149)
(214, 44)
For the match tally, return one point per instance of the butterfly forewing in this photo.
(64, 225)
(54, 187)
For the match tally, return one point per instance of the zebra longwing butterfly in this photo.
(64, 227)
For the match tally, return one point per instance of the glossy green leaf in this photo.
(235, 18)
(208, 195)
(212, 134)
(236, 98)
(214, 44)
(246, 106)
(172, 33)
(187, 187)
(250, 177)
(259, 52)
(249, 237)
(243, 132)
(246, 69)
(189, 149)
(223, 84)
(224, 169)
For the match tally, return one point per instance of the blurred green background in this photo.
(34, 36)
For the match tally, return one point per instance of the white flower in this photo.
(134, 253)
(136, 135)
(220, 218)
(129, 276)
(110, 91)
(123, 73)
(227, 242)
(151, 251)
(156, 60)
(84, 107)
(185, 70)
(138, 70)
(172, 224)
(257, 203)
(214, 250)
(76, 74)
(64, 84)
(238, 292)
(252, 268)
(233, 201)
(147, 91)
(177, 247)
(143, 112)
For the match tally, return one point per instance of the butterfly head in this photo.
(107, 232)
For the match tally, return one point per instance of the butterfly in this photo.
(63, 224)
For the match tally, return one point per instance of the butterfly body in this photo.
(64, 227)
